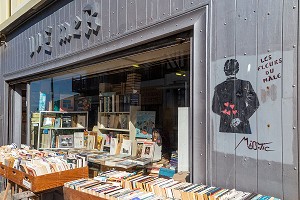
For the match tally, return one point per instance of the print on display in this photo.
(235, 101)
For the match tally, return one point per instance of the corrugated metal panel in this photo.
(72, 22)
(191, 3)
(41, 53)
(58, 22)
(68, 20)
(105, 19)
(163, 10)
(290, 139)
(151, 11)
(141, 14)
(176, 6)
(246, 44)
(131, 15)
(113, 18)
(84, 37)
(78, 7)
(224, 142)
(122, 20)
(270, 110)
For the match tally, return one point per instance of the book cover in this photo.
(56, 105)
(53, 139)
(66, 141)
(139, 149)
(66, 121)
(145, 122)
(57, 123)
(126, 147)
(99, 142)
(48, 121)
(124, 121)
(81, 121)
(42, 102)
(113, 146)
(84, 103)
(148, 150)
(135, 99)
(91, 139)
(66, 102)
(78, 139)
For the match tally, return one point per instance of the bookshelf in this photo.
(56, 128)
(117, 121)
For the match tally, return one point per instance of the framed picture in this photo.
(66, 102)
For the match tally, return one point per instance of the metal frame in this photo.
(199, 104)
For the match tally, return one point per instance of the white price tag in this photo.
(27, 184)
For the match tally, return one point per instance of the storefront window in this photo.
(135, 102)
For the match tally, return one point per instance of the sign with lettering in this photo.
(67, 31)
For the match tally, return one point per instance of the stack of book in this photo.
(123, 161)
(169, 188)
(108, 190)
(35, 117)
(112, 102)
(133, 83)
(113, 176)
(117, 121)
(174, 160)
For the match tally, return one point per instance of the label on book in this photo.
(27, 184)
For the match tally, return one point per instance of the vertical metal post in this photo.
(16, 118)
(28, 124)
(199, 100)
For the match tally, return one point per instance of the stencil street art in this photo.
(235, 101)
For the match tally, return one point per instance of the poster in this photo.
(145, 122)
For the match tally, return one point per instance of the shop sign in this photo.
(67, 30)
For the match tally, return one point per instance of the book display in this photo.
(123, 185)
(132, 130)
(40, 170)
(100, 190)
(57, 129)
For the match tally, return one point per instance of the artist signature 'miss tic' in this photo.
(254, 145)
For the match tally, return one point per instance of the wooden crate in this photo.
(44, 182)
(3, 170)
(71, 194)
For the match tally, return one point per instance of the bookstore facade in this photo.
(200, 85)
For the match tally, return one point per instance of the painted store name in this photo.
(67, 31)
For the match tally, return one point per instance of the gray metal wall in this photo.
(250, 31)
(246, 30)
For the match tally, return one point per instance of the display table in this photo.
(71, 194)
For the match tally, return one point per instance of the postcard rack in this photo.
(38, 184)
(71, 194)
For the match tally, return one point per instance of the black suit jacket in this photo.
(235, 98)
